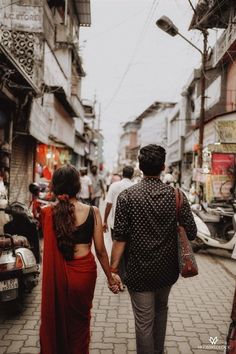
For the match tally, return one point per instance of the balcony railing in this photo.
(225, 41)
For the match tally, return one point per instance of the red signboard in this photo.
(222, 164)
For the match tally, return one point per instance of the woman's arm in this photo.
(101, 250)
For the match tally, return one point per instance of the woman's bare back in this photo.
(81, 215)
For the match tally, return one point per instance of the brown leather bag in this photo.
(187, 263)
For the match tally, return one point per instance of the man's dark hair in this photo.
(128, 172)
(152, 159)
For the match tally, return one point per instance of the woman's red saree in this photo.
(67, 294)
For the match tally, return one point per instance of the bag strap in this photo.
(179, 202)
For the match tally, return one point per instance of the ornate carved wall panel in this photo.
(25, 49)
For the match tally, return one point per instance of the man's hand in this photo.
(114, 283)
(105, 227)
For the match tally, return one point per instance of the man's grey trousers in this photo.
(150, 313)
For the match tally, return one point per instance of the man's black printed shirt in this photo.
(146, 219)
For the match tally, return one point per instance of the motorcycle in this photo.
(19, 257)
(205, 239)
(218, 219)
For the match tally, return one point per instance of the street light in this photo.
(166, 25)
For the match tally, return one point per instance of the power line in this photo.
(137, 46)
(193, 8)
(112, 28)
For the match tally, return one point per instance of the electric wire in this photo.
(193, 8)
(114, 27)
(137, 46)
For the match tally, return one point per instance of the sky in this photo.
(130, 63)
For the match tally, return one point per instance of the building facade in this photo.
(40, 100)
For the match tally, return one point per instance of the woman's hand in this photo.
(105, 227)
(114, 283)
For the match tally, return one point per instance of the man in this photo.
(97, 186)
(86, 186)
(168, 177)
(146, 220)
(115, 189)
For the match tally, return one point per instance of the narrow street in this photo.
(199, 308)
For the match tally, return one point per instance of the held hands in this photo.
(105, 227)
(114, 283)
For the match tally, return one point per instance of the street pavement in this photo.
(199, 314)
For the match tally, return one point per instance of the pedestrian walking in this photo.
(97, 186)
(146, 221)
(69, 267)
(115, 189)
(108, 181)
(86, 186)
(168, 177)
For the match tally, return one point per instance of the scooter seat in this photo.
(19, 241)
(207, 217)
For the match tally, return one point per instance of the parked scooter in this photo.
(206, 240)
(19, 257)
(218, 219)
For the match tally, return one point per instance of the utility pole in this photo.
(203, 97)
(166, 25)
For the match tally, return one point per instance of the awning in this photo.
(78, 62)
(83, 12)
(60, 94)
(80, 136)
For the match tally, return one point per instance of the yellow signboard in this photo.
(227, 131)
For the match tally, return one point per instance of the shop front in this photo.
(6, 116)
(174, 159)
(53, 127)
(218, 172)
(188, 160)
(48, 159)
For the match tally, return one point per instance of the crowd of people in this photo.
(144, 255)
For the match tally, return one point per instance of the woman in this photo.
(69, 268)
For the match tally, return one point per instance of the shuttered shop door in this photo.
(21, 168)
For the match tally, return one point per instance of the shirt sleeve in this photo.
(109, 198)
(122, 223)
(89, 181)
(187, 220)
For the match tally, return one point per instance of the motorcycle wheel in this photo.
(15, 307)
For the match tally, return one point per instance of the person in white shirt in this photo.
(98, 189)
(86, 186)
(115, 189)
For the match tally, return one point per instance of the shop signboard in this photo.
(222, 172)
(20, 16)
(222, 164)
(221, 186)
(227, 131)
